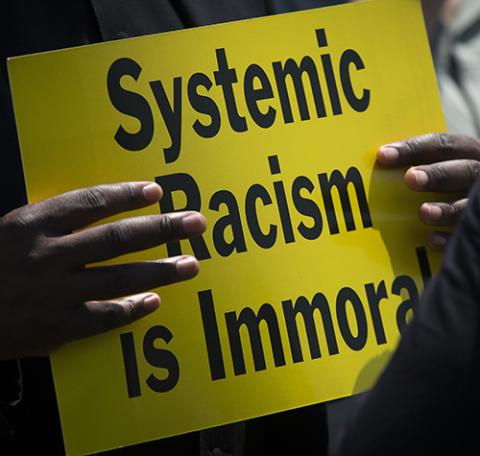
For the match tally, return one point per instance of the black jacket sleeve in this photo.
(427, 400)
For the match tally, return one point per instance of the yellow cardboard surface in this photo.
(68, 123)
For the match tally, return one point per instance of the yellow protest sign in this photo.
(313, 257)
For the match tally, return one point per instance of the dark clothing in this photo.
(428, 398)
(33, 26)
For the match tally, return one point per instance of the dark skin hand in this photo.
(49, 296)
(437, 162)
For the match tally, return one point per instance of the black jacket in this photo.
(427, 400)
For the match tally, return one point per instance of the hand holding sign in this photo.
(50, 295)
(440, 162)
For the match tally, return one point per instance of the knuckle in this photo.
(167, 271)
(449, 212)
(33, 258)
(25, 248)
(437, 174)
(114, 314)
(131, 193)
(168, 226)
(444, 142)
(118, 235)
(412, 147)
(129, 308)
(94, 198)
(40, 254)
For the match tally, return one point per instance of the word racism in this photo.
(228, 232)
(257, 88)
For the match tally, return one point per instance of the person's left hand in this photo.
(53, 291)
(438, 162)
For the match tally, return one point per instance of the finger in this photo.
(438, 240)
(96, 317)
(449, 176)
(129, 235)
(440, 213)
(430, 148)
(79, 208)
(109, 282)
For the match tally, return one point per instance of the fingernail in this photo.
(438, 241)
(388, 154)
(187, 267)
(435, 213)
(193, 223)
(152, 192)
(421, 177)
(151, 302)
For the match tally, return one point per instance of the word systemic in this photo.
(331, 85)
(308, 197)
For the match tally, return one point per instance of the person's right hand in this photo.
(48, 295)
